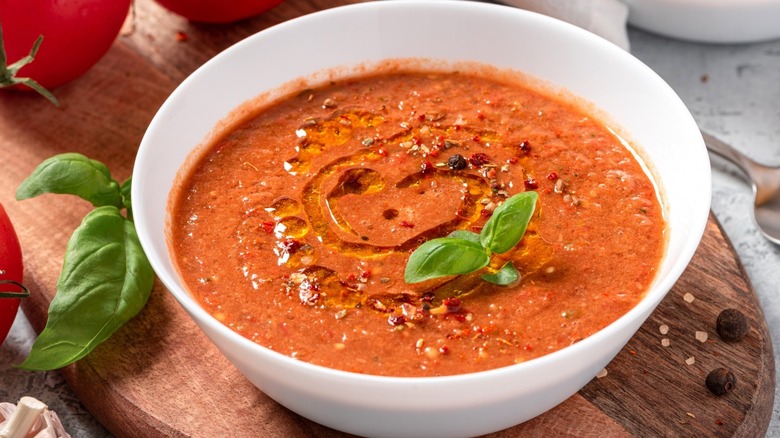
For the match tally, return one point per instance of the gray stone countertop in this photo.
(733, 92)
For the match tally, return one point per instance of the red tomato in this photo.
(10, 269)
(76, 34)
(218, 11)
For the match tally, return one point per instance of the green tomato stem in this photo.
(24, 293)
(8, 72)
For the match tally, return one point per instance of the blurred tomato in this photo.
(76, 34)
(218, 11)
(10, 269)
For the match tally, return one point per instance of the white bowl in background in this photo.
(632, 95)
(709, 21)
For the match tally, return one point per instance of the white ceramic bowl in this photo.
(632, 95)
(711, 21)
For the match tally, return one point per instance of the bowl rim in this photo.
(651, 299)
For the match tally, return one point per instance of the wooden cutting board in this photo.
(160, 377)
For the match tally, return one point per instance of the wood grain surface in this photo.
(160, 377)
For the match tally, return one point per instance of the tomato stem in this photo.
(24, 293)
(8, 72)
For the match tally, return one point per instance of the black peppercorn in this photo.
(732, 325)
(525, 147)
(457, 162)
(390, 213)
(720, 381)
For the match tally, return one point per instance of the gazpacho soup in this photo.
(296, 226)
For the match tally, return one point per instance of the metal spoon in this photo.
(766, 187)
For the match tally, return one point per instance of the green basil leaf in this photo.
(465, 235)
(505, 276)
(72, 174)
(106, 279)
(442, 257)
(124, 190)
(508, 223)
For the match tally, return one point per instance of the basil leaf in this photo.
(72, 174)
(465, 235)
(505, 276)
(507, 225)
(106, 279)
(442, 257)
(125, 190)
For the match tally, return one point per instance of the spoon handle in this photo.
(729, 153)
(765, 179)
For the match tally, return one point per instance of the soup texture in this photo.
(294, 226)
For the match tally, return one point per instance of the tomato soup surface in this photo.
(293, 228)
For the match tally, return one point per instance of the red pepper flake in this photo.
(552, 176)
(525, 147)
(181, 36)
(719, 422)
(290, 245)
(486, 330)
(461, 214)
(452, 304)
(417, 141)
(479, 159)
(427, 167)
(434, 152)
(382, 152)
(528, 347)
(352, 277)
(480, 115)
(396, 320)
(531, 183)
(445, 350)
(512, 160)
(268, 226)
(365, 275)
(406, 224)
(457, 127)
(421, 117)
(486, 213)
(476, 138)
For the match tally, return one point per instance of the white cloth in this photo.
(606, 18)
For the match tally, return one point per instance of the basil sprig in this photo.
(106, 278)
(464, 252)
